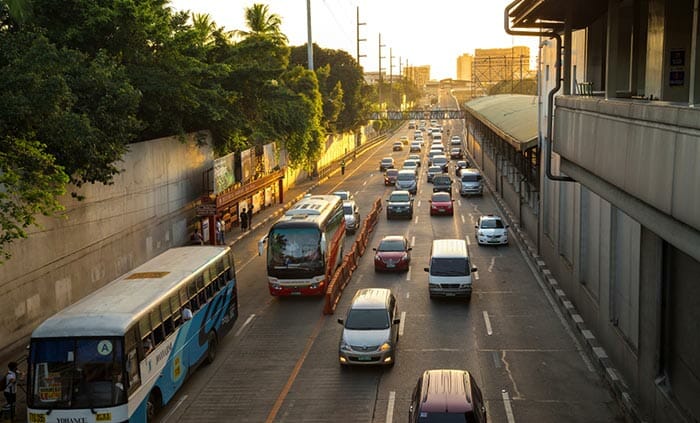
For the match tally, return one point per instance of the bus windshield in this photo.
(295, 248)
(77, 373)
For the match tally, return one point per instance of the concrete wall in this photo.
(116, 227)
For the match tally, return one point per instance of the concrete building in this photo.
(419, 75)
(620, 211)
(493, 65)
(464, 67)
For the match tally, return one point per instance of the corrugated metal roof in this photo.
(512, 116)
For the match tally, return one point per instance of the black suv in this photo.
(399, 204)
(442, 182)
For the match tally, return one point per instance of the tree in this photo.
(263, 23)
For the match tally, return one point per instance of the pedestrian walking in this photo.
(220, 228)
(250, 217)
(197, 238)
(244, 220)
(342, 167)
(10, 388)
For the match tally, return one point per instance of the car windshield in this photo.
(441, 266)
(387, 161)
(446, 417)
(392, 245)
(392, 172)
(342, 194)
(471, 177)
(441, 197)
(77, 373)
(492, 224)
(403, 198)
(409, 163)
(367, 319)
(434, 169)
(407, 176)
(347, 210)
(439, 160)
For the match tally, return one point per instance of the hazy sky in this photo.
(429, 32)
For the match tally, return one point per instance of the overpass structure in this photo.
(418, 114)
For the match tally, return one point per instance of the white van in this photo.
(450, 271)
(470, 182)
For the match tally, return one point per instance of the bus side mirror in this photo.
(323, 242)
(261, 243)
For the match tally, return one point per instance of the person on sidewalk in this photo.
(244, 220)
(220, 228)
(250, 217)
(342, 167)
(10, 391)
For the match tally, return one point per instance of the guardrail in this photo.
(342, 275)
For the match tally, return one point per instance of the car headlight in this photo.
(385, 347)
(404, 257)
(344, 346)
(481, 233)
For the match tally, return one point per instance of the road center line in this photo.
(463, 221)
(248, 320)
(506, 405)
(295, 372)
(415, 221)
(468, 240)
(418, 203)
(493, 261)
(489, 331)
(179, 403)
(390, 407)
(408, 274)
(403, 320)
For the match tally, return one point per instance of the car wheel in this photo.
(211, 349)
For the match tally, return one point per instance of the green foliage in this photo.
(30, 183)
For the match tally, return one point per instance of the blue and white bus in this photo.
(123, 351)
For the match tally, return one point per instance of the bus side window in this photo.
(174, 307)
(201, 296)
(132, 361)
(219, 266)
(157, 325)
(146, 336)
(192, 294)
(165, 311)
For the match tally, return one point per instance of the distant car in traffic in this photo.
(441, 203)
(390, 176)
(415, 147)
(461, 164)
(455, 153)
(386, 163)
(392, 254)
(352, 216)
(397, 146)
(415, 157)
(407, 180)
(442, 183)
(432, 171)
(399, 204)
(491, 230)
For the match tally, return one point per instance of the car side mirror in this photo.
(474, 269)
(427, 269)
(410, 249)
(430, 201)
(374, 249)
(341, 321)
(397, 321)
(476, 226)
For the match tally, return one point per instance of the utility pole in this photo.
(381, 80)
(358, 36)
(310, 46)
(391, 75)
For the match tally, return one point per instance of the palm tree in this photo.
(204, 27)
(261, 22)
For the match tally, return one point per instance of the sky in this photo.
(428, 32)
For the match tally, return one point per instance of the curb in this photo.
(593, 348)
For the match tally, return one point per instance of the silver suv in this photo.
(406, 180)
(370, 329)
(352, 216)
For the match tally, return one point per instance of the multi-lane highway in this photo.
(280, 363)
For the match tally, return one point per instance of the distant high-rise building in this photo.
(464, 67)
(493, 65)
(419, 75)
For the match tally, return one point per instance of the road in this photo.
(279, 364)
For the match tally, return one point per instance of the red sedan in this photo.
(441, 203)
(392, 254)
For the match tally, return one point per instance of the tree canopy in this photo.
(82, 79)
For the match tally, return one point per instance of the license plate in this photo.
(390, 265)
(364, 358)
(450, 294)
(441, 210)
(296, 293)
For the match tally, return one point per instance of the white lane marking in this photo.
(493, 261)
(506, 405)
(364, 183)
(415, 221)
(248, 320)
(403, 320)
(463, 221)
(419, 203)
(180, 401)
(487, 321)
(476, 275)
(469, 242)
(408, 274)
(408, 295)
(390, 407)
(413, 241)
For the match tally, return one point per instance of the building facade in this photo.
(493, 65)
(464, 67)
(419, 75)
(620, 201)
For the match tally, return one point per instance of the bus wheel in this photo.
(153, 405)
(211, 350)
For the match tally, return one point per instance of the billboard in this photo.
(270, 158)
(247, 164)
(223, 172)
